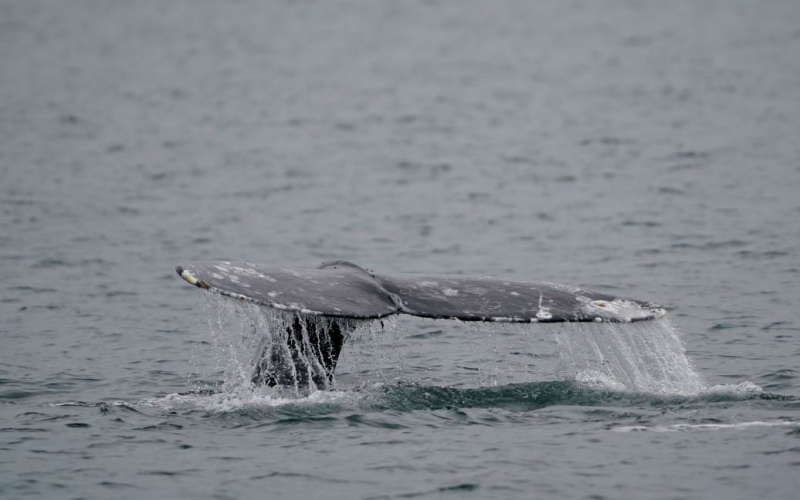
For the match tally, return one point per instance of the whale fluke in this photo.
(343, 291)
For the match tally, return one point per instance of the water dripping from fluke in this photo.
(260, 351)
(263, 352)
(646, 356)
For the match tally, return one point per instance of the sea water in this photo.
(641, 149)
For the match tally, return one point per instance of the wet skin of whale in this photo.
(341, 291)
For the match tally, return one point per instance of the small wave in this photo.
(380, 397)
(743, 389)
(535, 395)
(706, 427)
(409, 396)
(79, 404)
(222, 402)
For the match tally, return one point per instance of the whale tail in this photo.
(323, 300)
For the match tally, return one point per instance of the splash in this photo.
(252, 346)
(243, 339)
(645, 356)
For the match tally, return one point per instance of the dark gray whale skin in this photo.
(341, 289)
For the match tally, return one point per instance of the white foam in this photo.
(597, 380)
(225, 402)
(745, 388)
(705, 427)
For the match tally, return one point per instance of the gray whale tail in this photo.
(342, 290)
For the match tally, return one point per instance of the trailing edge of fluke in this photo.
(342, 289)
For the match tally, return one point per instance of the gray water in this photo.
(642, 149)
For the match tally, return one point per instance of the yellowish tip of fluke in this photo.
(188, 277)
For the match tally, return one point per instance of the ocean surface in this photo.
(645, 149)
